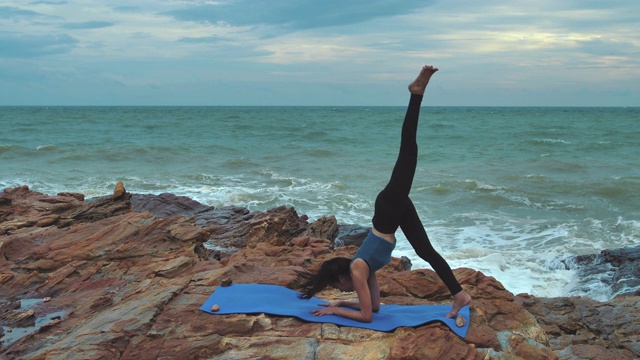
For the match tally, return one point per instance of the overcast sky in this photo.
(319, 52)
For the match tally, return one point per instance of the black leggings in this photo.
(394, 208)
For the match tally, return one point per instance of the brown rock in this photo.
(325, 227)
(18, 318)
(77, 196)
(302, 241)
(119, 191)
(429, 342)
(172, 267)
(129, 285)
(275, 227)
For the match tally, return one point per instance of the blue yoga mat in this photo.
(279, 300)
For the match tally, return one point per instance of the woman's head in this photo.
(334, 272)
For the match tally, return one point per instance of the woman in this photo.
(393, 209)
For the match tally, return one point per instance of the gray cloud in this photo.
(48, 2)
(202, 40)
(126, 9)
(608, 48)
(9, 12)
(88, 25)
(296, 14)
(13, 45)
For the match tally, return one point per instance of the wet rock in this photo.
(405, 263)
(617, 269)
(17, 318)
(581, 328)
(228, 227)
(350, 235)
(167, 205)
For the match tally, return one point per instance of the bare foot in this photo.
(460, 300)
(419, 85)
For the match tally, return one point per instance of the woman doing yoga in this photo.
(393, 209)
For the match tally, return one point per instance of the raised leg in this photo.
(391, 200)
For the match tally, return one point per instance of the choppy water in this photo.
(508, 191)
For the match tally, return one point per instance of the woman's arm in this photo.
(359, 277)
(374, 289)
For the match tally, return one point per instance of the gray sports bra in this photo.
(375, 251)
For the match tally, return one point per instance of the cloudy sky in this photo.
(319, 52)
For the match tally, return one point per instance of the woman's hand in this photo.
(328, 310)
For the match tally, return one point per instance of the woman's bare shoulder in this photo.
(359, 268)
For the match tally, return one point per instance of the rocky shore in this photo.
(122, 277)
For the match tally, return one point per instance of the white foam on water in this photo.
(553, 141)
(630, 230)
(311, 198)
(521, 255)
(518, 274)
(45, 147)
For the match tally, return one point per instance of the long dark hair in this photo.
(330, 270)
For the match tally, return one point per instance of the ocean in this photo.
(509, 191)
